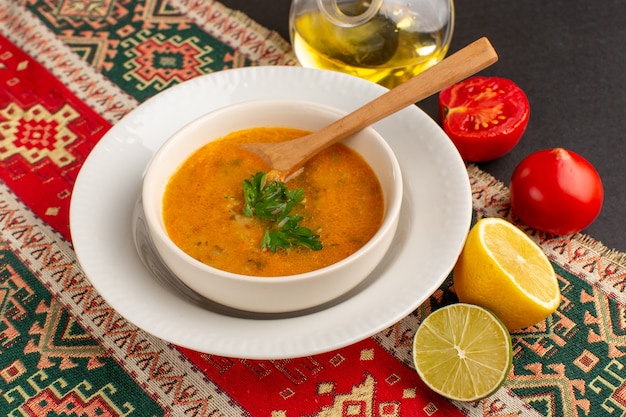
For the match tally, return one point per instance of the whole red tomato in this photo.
(485, 117)
(557, 191)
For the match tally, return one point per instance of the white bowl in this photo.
(275, 294)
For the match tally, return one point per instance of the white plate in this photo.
(435, 218)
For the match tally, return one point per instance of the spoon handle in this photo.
(458, 66)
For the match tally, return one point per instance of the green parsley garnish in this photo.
(272, 202)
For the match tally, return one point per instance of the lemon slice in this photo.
(503, 270)
(462, 352)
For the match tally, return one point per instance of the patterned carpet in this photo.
(69, 70)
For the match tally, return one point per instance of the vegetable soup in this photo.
(203, 206)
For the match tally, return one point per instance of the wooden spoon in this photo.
(289, 156)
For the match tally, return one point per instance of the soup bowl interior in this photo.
(270, 294)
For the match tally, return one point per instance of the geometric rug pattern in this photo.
(71, 69)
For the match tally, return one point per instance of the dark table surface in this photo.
(569, 57)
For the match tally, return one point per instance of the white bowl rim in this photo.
(392, 208)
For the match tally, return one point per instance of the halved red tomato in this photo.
(485, 117)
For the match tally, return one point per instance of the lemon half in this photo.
(503, 270)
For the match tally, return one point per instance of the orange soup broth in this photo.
(203, 203)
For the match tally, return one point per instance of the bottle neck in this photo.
(334, 13)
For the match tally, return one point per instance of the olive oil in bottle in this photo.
(393, 46)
